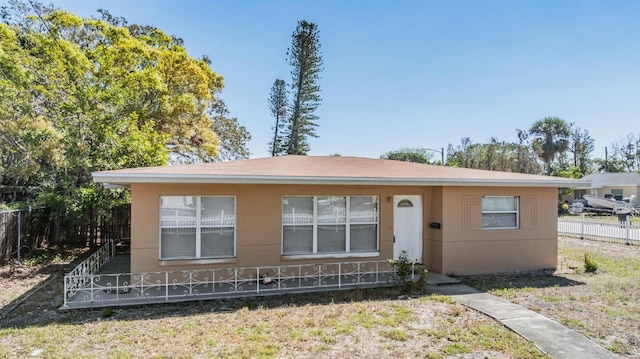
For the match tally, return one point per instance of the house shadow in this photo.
(53, 272)
(492, 282)
(42, 309)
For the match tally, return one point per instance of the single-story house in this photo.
(306, 209)
(620, 184)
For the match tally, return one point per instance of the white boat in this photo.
(609, 203)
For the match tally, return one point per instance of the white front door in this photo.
(407, 226)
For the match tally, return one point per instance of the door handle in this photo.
(394, 238)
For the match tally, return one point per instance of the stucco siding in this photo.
(627, 191)
(500, 256)
(459, 247)
(467, 248)
(258, 221)
(436, 234)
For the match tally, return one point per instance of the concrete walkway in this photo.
(552, 338)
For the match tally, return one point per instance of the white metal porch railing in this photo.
(80, 275)
(154, 287)
(585, 227)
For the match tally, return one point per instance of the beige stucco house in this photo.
(304, 209)
(619, 184)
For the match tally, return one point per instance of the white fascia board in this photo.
(108, 185)
(127, 179)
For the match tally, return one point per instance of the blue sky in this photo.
(418, 73)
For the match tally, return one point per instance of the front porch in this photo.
(103, 280)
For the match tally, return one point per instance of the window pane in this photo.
(499, 204)
(217, 242)
(218, 211)
(499, 220)
(177, 211)
(298, 210)
(617, 194)
(332, 209)
(178, 243)
(364, 237)
(332, 239)
(363, 209)
(297, 239)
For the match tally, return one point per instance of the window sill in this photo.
(499, 228)
(331, 255)
(182, 262)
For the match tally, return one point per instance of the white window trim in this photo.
(347, 253)
(516, 212)
(198, 257)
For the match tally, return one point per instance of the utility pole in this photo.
(441, 151)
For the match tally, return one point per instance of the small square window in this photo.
(500, 212)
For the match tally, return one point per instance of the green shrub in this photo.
(590, 264)
(406, 272)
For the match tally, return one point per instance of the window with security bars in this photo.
(329, 224)
(196, 227)
(500, 212)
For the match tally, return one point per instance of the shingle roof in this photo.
(326, 170)
(599, 180)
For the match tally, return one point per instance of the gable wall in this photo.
(468, 249)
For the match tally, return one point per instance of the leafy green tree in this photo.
(82, 95)
(550, 138)
(233, 136)
(608, 165)
(305, 58)
(495, 155)
(418, 155)
(572, 172)
(278, 104)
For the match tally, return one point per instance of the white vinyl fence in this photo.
(586, 227)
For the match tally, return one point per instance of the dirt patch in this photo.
(17, 279)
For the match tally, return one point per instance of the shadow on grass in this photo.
(40, 262)
(39, 258)
(539, 280)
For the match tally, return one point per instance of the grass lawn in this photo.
(350, 324)
(604, 306)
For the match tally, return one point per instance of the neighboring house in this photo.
(303, 209)
(620, 184)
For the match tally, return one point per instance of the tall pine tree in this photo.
(306, 59)
(278, 103)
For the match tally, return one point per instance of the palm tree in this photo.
(550, 137)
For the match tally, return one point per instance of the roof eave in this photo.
(128, 179)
